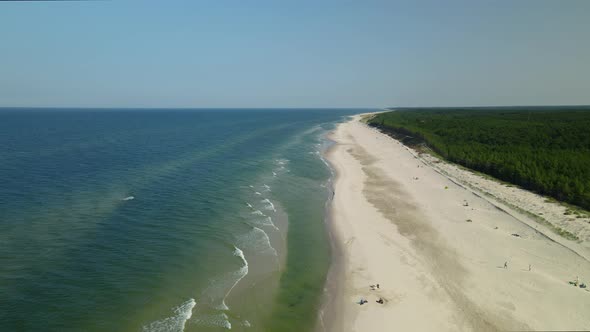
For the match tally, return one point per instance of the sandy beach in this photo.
(446, 257)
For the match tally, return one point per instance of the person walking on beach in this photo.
(529, 267)
(505, 265)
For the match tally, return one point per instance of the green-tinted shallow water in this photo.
(166, 220)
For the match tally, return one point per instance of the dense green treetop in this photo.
(546, 150)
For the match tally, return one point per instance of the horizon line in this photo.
(287, 107)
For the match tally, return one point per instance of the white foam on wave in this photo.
(281, 166)
(241, 273)
(268, 222)
(220, 320)
(267, 188)
(327, 165)
(257, 240)
(128, 198)
(258, 213)
(219, 288)
(269, 206)
(175, 323)
(257, 193)
(238, 252)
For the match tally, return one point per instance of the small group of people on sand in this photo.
(373, 287)
(577, 283)
(363, 301)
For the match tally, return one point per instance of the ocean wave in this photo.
(258, 241)
(265, 221)
(215, 320)
(327, 165)
(218, 290)
(241, 273)
(280, 169)
(258, 212)
(175, 323)
(268, 222)
(268, 205)
(266, 187)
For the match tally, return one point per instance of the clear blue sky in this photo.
(294, 53)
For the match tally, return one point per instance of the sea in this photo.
(163, 219)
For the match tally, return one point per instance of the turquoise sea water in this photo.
(162, 220)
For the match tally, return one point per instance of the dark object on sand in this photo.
(514, 234)
(380, 301)
(469, 220)
(363, 301)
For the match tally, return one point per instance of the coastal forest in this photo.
(543, 149)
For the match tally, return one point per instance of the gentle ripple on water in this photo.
(74, 244)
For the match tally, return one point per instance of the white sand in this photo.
(437, 271)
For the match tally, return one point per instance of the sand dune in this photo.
(437, 250)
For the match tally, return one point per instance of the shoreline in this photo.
(329, 304)
(408, 233)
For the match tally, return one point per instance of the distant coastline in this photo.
(492, 108)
